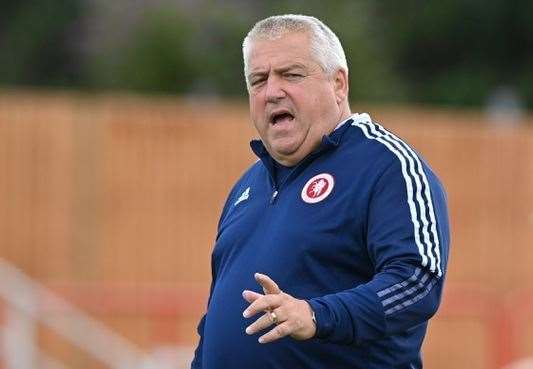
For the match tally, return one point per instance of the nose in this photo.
(274, 89)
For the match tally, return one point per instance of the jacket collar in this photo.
(329, 142)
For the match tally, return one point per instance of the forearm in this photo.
(389, 304)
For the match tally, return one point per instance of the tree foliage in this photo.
(449, 52)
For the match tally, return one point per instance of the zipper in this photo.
(274, 187)
(311, 156)
(274, 195)
(277, 189)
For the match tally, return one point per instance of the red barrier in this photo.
(503, 316)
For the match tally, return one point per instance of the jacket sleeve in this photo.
(407, 239)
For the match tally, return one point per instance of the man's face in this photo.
(293, 103)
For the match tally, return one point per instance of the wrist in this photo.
(324, 322)
(313, 319)
(313, 316)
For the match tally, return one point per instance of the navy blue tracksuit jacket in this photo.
(359, 229)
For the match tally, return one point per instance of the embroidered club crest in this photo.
(318, 188)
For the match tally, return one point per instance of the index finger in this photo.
(269, 286)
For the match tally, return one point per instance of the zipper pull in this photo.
(274, 195)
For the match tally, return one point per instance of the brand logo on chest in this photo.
(244, 196)
(318, 188)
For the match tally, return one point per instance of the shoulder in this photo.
(386, 147)
(379, 140)
(366, 147)
(250, 176)
(383, 151)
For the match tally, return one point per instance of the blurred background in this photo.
(123, 125)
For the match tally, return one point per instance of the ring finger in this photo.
(265, 321)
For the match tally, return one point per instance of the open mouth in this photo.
(281, 117)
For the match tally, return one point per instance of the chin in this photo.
(284, 151)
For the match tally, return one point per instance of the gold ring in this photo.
(274, 317)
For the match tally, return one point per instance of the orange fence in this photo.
(502, 320)
(113, 202)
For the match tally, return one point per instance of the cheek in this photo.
(257, 114)
(323, 102)
(314, 98)
(254, 108)
(257, 107)
(315, 106)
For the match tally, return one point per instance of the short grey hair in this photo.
(325, 45)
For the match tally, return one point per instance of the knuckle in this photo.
(292, 323)
(282, 330)
(262, 303)
(267, 322)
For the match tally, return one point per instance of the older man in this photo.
(331, 249)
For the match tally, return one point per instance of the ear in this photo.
(340, 84)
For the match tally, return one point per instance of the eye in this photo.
(257, 81)
(293, 76)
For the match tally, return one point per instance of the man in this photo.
(331, 249)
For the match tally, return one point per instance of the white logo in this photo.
(244, 196)
(318, 188)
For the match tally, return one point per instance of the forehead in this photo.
(288, 49)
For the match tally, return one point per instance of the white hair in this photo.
(325, 45)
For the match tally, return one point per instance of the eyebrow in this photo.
(277, 70)
(290, 67)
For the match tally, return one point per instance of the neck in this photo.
(344, 113)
